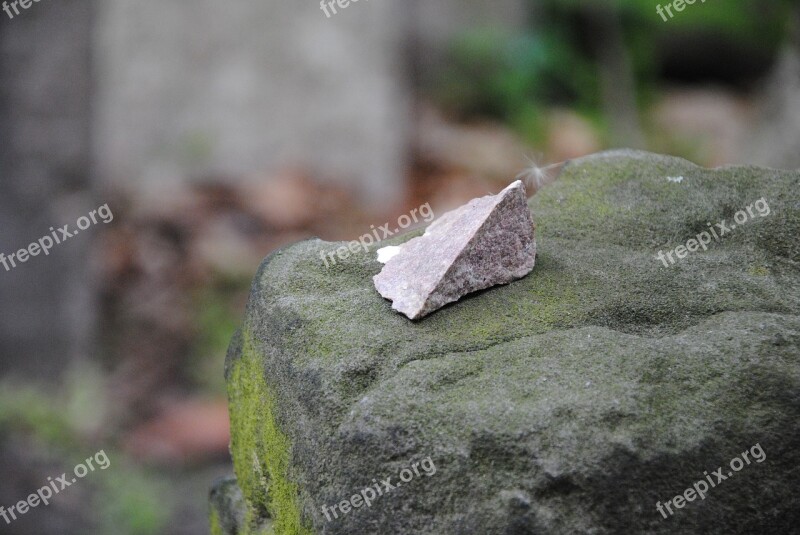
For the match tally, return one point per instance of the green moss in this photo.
(216, 319)
(133, 501)
(758, 271)
(216, 527)
(260, 450)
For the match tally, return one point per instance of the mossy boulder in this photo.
(571, 401)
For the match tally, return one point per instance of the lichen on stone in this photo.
(260, 449)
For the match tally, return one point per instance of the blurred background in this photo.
(217, 132)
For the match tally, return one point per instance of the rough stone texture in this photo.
(228, 510)
(566, 402)
(486, 242)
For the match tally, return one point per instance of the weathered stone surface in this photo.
(486, 242)
(566, 402)
(227, 507)
(228, 511)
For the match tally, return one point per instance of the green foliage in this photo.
(127, 500)
(755, 21)
(213, 520)
(55, 418)
(506, 76)
(216, 319)
(512, 76)
(29, 409)
(133, 502)
(759, 23)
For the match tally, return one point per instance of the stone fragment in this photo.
(486, 242)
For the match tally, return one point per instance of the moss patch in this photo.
(216, 527)
(260, 450)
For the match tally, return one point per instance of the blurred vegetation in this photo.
(62, 429)
(512, 76)
(217, 317)
(509, 76)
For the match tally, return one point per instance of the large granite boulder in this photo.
(571, 401)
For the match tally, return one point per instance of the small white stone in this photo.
(675, 179)
(387, 253)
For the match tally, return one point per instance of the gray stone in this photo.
(228, 511)
(227, 507)
(570, 401)
(486, 242)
